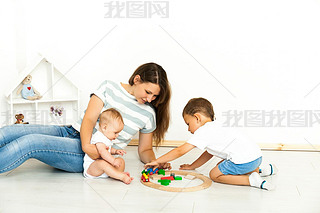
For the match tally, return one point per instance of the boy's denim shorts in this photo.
(229, 168)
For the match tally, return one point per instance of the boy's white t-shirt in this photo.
(98, 137)
(225, 142)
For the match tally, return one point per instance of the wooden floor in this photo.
(36, 187)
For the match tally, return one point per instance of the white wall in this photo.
(241, 55)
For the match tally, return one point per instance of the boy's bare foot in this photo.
(126, 178)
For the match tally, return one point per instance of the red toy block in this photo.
(167, 178)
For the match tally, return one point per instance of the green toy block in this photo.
(145, 171)
(164, 182)
(161, 172)
(177, 178)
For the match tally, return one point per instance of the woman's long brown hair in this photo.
(154, 73)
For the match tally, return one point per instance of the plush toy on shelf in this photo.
(27, 90)
(20, 118)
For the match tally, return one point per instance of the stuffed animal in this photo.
(20, 118)
(27, 90)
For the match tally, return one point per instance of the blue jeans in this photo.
(57, 146)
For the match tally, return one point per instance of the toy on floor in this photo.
(171, 177)
(165, 181)
(177, 178)
(149, 173)
(155, 177)
(145, 177)
(161, 172)
(190, 177)
(164, 178)
(167, 178)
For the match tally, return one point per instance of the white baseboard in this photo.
(263, 146)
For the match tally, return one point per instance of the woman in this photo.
(140, 102)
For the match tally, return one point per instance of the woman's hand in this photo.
(88, 123)
(164, 166)
(91, 150)
(145, 150)
(154, 164)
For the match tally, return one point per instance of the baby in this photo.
(110, 125)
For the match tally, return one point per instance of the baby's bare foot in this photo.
(126, 178)
(127, 173)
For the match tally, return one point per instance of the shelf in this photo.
(59, 91)
(24, 101)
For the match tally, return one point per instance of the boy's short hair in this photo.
(110, 115)
(199, 105)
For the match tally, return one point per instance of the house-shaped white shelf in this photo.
(57, 90)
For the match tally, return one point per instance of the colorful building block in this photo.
(145, 176)
(177, 178)
(155, 171)
(165, 182)
(173, 175)
(144, 179)
(161, 172)
(150, 171)
(167, 178)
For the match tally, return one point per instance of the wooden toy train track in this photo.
(206, 183)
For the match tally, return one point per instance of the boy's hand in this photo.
(186, 167)
(120, 152)
(117, 163)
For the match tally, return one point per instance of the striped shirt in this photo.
(136, 116)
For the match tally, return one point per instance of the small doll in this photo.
(20, 118)
(27, 90)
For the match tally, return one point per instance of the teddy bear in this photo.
(20, 118)
(27, 90)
